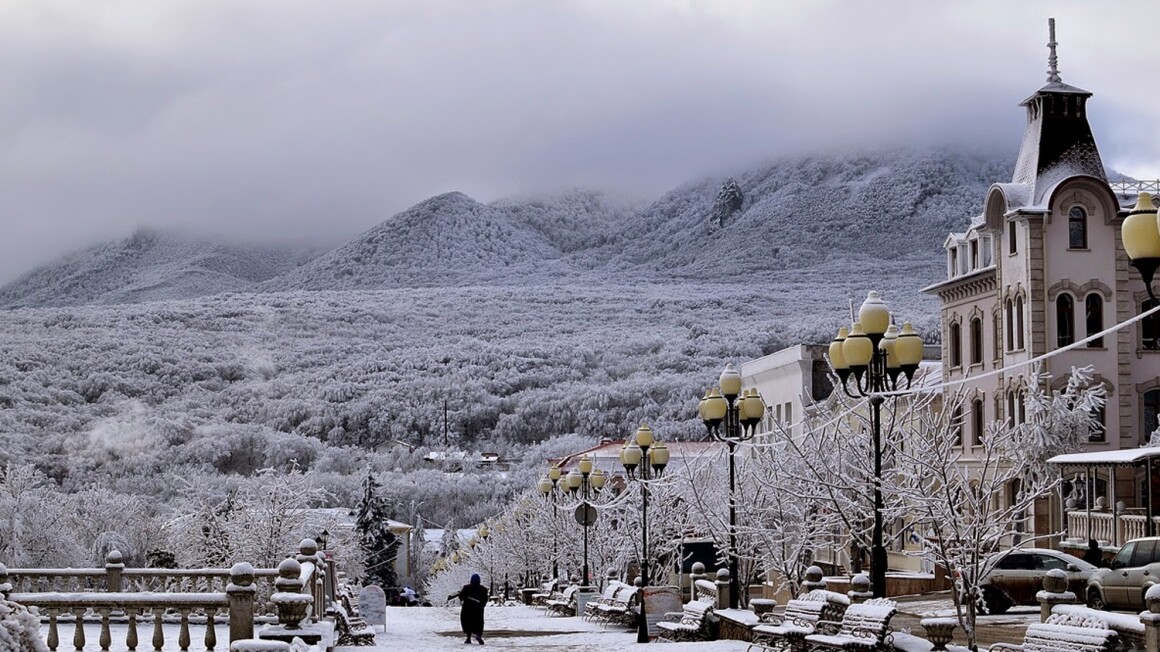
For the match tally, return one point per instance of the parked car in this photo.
(1134, 569)
(1018, 576)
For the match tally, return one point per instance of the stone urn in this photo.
(291, 603)
(939, 631)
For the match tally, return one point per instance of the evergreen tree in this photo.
(379, 545)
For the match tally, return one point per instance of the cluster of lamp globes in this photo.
(853, 350)
(747, 404)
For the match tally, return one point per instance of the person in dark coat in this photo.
(474, 598)
(1093, 555)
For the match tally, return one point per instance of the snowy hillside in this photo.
(782, 220)
(870, 210)
(150, 266)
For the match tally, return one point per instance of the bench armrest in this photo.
(829, 627)
(1006, 646)
(772, 618)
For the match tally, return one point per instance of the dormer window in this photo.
(954, 261)
(975, 254)
(985, 245)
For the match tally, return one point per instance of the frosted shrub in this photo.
(19, 629)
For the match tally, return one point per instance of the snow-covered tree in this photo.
(970, 501)
(379, 545)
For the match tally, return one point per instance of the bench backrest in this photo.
(816, 605)
(611, 590)
(1068, 633)
(696, 611)
(626, 595)
(570, 591)
(871, 616)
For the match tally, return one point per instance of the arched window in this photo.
(1077, 228)
(956, 345)
(1021, 400)
(1150, 411)
(957, 425)
(1149, 327)
(1064, 320)
(1094, 312)
(1010, 325)
(1019, 322)
(997, 336)
(1099, 428)
(1011, 408)
(977, 421)
(977, 341)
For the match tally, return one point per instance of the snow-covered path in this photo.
(418, 629)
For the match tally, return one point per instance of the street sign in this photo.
(585, 514)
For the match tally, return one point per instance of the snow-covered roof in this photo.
(1107, 458)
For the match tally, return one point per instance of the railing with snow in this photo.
(1135, 187)
(1106, 526)
(304, 586)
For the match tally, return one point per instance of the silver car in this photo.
(1018, 576)
(1134, 569)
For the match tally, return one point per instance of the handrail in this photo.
(1135, 186)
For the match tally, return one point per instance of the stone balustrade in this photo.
(238, 595)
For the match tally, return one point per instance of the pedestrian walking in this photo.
(474, 598)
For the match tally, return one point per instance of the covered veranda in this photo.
(1108, 495)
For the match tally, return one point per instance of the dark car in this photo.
(1134, 569)
(1018, 576)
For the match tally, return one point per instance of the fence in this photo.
(241, 593)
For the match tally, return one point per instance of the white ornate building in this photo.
(1041, 269)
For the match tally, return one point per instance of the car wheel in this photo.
(1095, 600)
(994, 601)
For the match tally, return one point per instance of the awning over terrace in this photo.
(1090, 463)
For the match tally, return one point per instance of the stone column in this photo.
(114, 568)
(1151, 619)
(814, 580)
(241, 592)
(697, 572)
(723, 588)
(1054, 592)
(860, 589)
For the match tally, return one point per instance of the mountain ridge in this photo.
(785, 218)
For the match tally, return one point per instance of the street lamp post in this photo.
(584, 477)
(548, 488)
(643, 448)
(732, 417)
(875, 354)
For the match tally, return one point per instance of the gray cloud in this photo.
(303, 119)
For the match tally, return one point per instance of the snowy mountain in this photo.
(150, 266)
(879, 212)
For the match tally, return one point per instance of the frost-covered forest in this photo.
(522, 321)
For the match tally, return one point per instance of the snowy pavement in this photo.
(419, 629)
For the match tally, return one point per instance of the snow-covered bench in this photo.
(693, 623)
(606, 597)
(1065, 632)
(546, 592)
(620, 610)
(351, 630)
(864, 626)
(788, 630)
(565, 604)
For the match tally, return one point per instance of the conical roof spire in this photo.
(1052, 59)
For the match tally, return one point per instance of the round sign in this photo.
(585, 514)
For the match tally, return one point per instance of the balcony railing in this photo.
(1106, 526)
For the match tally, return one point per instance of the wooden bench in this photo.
(695, 623)
(351, 630)
(565, 604)
(1065, 633)
(606, 597)
(620, 610)
(787, 631)
(546, 592)
(864, 626)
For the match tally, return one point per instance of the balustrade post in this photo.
(79, 628)
(114, 571)
(131, 637)
(241, 592)
(106, 637)
(723, 596)
(308, 554)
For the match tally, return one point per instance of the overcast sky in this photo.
(276, 119)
